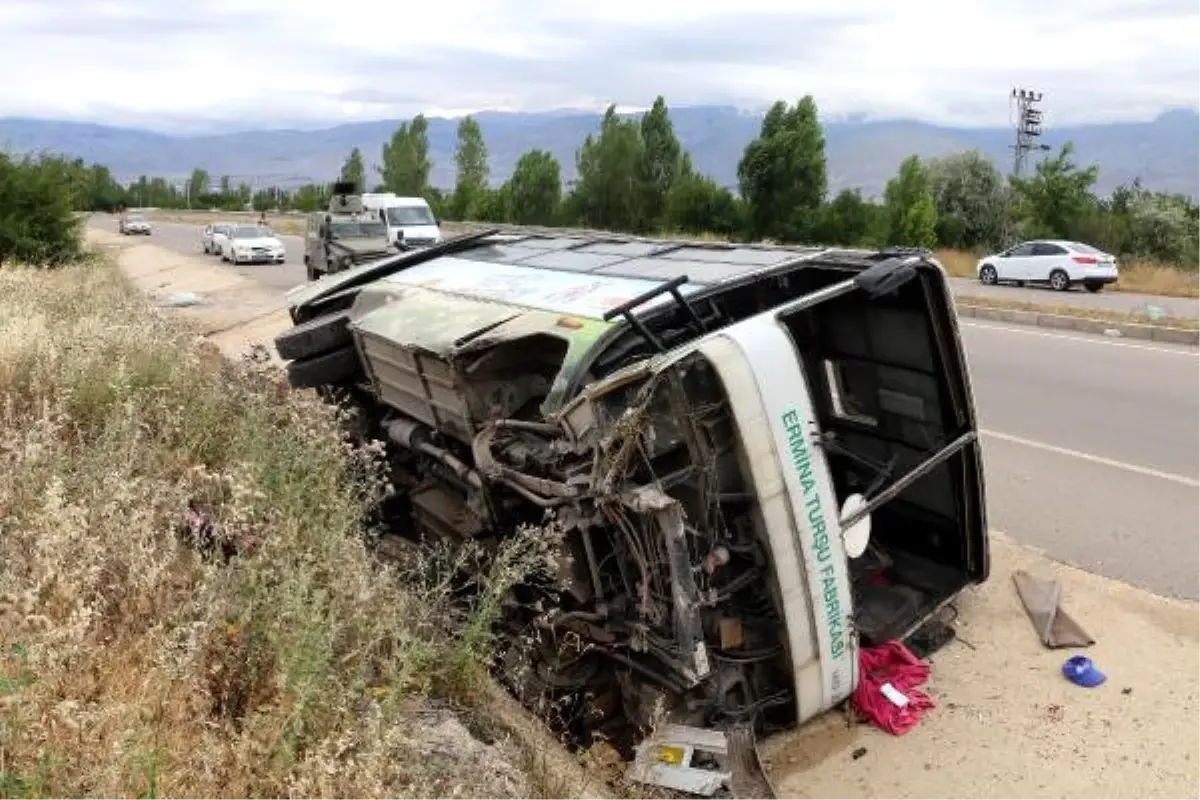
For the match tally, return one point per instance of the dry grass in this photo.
(1139, 277)
(132, 665)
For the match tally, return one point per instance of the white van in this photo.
(409, 218)
(754, 459)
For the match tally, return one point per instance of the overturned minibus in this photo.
(754, 460)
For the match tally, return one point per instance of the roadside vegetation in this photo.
(634, 176)
(188, 603)
(38, 222)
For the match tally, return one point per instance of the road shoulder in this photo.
(233, 311)
(1007, 724)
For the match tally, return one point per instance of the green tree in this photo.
(535, 189)
(311, 197)
(663, 160)
(153, 192)
(911, 218)
(1159, 227)
(105, 193)
(471, 163)
(198, 184)
(847, 220)
(355, 170)
(697, 204)
(493, 205)
(971, 200)
(782, 173)
(439, 201)
(1057, 198)
(608, 191)
(406, 165)
(37, 222)
(265, 200)
(160, 194)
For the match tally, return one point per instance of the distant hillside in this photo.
(1164, 153)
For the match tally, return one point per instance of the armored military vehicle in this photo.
(754, 460)
(344, 235)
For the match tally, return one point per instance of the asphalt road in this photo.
(186, 239)
(1091, 450)
(1091, 444)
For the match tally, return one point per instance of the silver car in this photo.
(133, 225)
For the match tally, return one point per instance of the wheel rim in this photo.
(989, 275)
(1058, 280)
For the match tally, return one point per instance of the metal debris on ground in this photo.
(749, 776)
(683, 758)
(703, 762)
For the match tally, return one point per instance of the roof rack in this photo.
(672, 286)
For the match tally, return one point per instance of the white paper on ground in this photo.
(897, 697)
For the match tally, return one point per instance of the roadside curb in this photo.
(1040, 319)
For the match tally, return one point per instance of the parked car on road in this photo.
(214, 236)
(253, 244)
(133, 225)
(1059, 263)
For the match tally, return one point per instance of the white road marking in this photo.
(1182, 480)
(1086, 339)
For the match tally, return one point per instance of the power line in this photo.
(1028, 124)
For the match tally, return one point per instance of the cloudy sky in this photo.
(180, 64)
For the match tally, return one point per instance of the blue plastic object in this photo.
(1080, 671)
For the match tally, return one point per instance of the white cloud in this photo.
(257, 63)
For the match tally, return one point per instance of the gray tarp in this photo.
(1042, 598)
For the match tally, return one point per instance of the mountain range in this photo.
(1164, 152)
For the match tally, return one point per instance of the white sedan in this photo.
(253, 244)
(1056, 262)
(214, 236)
(133, 225)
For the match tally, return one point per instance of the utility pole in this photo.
(1028, 124)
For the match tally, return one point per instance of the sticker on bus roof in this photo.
(579, 294)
